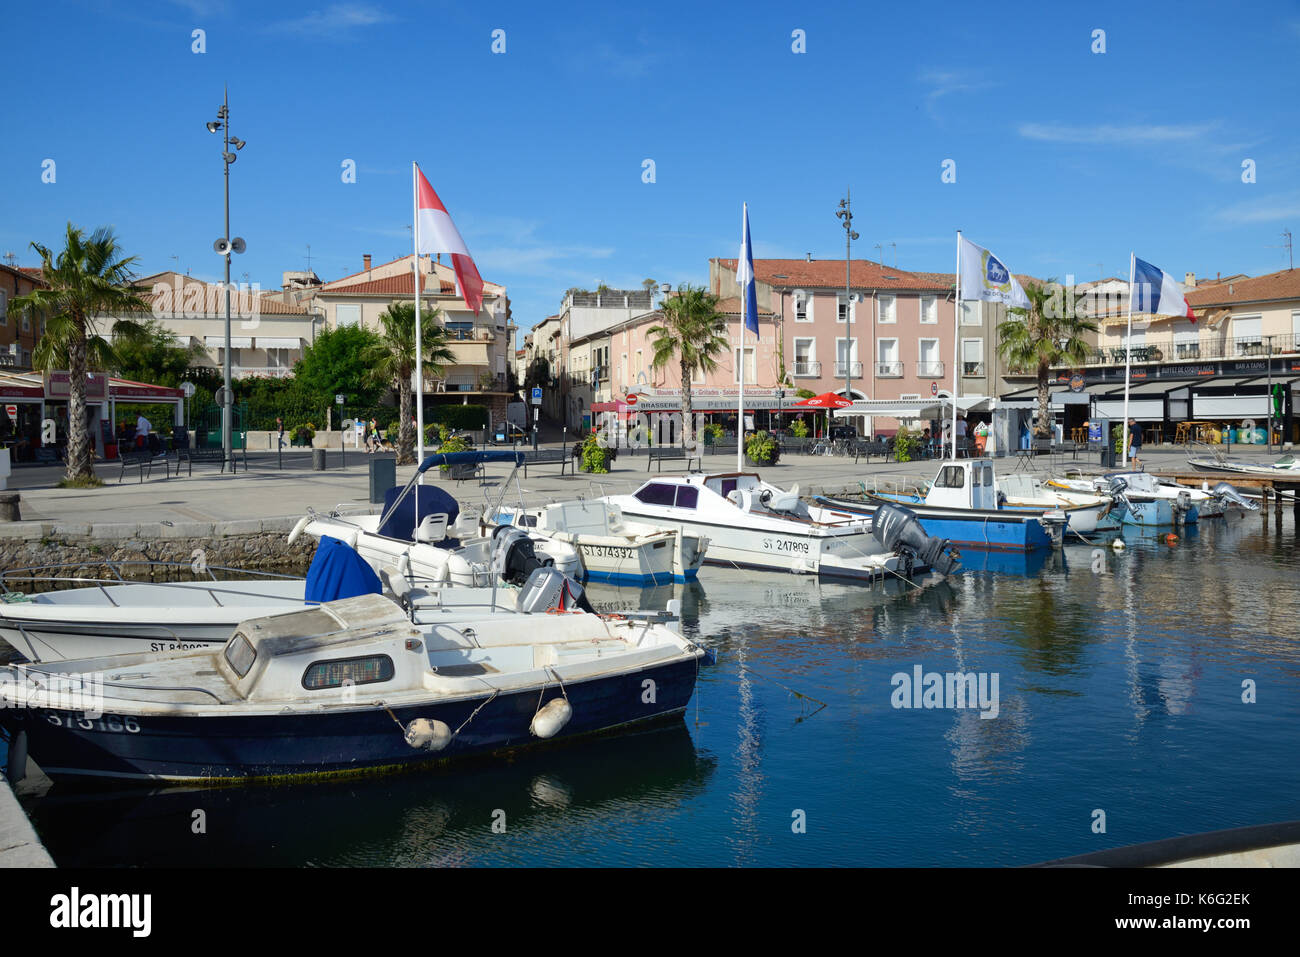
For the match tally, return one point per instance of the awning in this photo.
(236, 342)
(266, 342)
(929, 408)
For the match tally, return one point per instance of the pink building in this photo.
(892, 336)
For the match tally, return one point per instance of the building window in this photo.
(1248, 336)
(888, 365)
(970, 313)
(801, 310)
(805, 357)
(929, 365)
(347, 315)
(27, 324)
(278, 358)
(972, 357)
(4, 308)
(846, 358)
(929, 311)
(750, 365)
(888, 309)
(844, 308)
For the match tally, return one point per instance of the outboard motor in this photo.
(550, 590)
(542, 587)
(1119, 492)
(1227, 493)
(514, 557)
(897, 529)
(1182, 505)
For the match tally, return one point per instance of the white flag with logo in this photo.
(984, 277)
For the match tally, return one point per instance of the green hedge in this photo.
(462, 417)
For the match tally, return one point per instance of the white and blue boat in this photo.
(962, 505)
(349, 687)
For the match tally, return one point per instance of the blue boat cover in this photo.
(401, 524)
(337, 572)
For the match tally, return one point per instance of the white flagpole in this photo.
(744, 315)
(956, 345)
(419, 365)
(1128, 359)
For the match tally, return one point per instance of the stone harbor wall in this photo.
(249, 544)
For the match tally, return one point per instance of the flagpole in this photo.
(956, 345)
(1128, 360)
(419, 364)
(744, 316)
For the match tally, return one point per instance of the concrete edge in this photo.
(19, 844)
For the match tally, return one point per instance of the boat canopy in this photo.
(337, 571)
(399, 522)
(472, 458)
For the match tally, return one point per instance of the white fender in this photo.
(298, 529)
(550, 718)
(1117, 545)
(428, 734)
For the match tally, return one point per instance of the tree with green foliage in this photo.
(153, 355)
(88, 280)
(336, 363)
(1042, 336)
(693, 333)
(391, 359)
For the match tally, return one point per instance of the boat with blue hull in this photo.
(962, 506)
(349, 687)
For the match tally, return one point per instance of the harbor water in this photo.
(1129, 696)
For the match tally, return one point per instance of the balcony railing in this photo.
(803, 367)
(929, 370)
(889, 370)
(1165, 349)
(851, 369)
(972, 368)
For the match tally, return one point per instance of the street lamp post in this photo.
(1269, 396)
(224, 247)
(845, 214)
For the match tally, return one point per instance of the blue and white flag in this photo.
(1156, 293)
(984, 277)
(745, 277)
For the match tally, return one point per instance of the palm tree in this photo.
(87, 280)
(693, 332)
(391, 360)
(1047, 335)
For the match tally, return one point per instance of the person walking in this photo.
(142, 427)
(1134, 443)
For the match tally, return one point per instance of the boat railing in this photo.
(895, 485)
(55, 677)
(49, 574)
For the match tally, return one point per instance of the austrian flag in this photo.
(436, 233)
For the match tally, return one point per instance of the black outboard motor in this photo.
(543, 588)
(897, 529)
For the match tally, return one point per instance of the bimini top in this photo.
(472, 458)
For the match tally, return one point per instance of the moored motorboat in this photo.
(613, 548)
(753, 524)
(961, 505)
(348, 687)
(422, 532)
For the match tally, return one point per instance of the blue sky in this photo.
(1065, 158)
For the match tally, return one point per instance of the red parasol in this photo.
(827, 400)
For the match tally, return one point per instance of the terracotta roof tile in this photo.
(389, 286)
(824, 273)
(1284, 284)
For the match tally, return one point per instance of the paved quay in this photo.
(265, 491)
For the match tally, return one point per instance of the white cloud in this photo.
(1268, 210)
(333, 20)
(1107, 134)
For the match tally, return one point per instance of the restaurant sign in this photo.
(57, 385)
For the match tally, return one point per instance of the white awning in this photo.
(236, 342)
(266, 342)
(929, 408)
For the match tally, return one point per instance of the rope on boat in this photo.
(786, 688)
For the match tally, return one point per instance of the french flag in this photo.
(1156, 293)
(438, 234)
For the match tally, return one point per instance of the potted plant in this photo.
(761, 450)
(906, 445)
(455, 472)
(302, 434)
(799, 428)
(596, 457)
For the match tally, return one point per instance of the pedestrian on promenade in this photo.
(1134, 442)
(142, 427)
(279, 427)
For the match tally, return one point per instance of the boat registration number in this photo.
(177, 645)
(112, 723)
(785, 545)
(608, 551)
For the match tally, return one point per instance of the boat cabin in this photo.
(964, 483)
(744, 490)
(343, 644)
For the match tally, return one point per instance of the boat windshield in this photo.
(951, 476)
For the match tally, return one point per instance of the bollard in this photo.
(318, 460)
